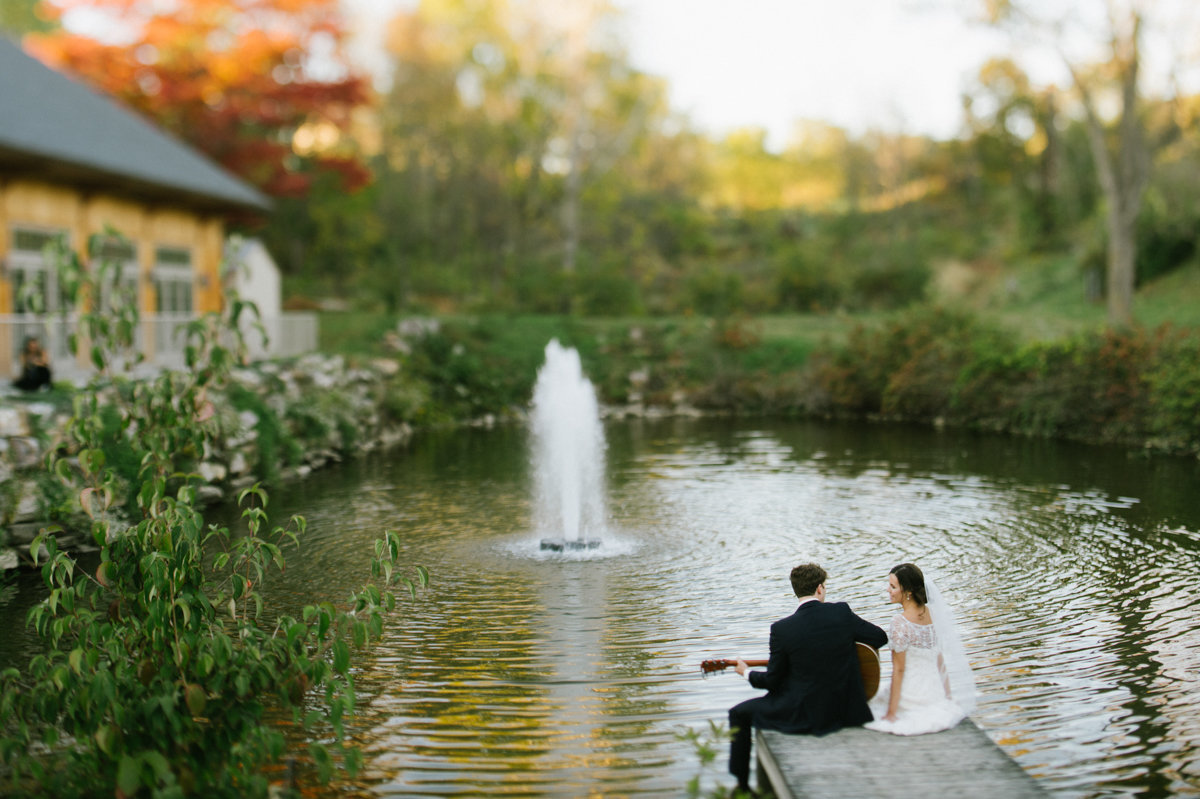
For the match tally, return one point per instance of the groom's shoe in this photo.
(744, 791)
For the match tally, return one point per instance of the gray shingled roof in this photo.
(55, 128)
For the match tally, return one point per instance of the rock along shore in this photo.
(277, 422)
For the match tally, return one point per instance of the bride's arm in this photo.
(944, 674)
(897, 680)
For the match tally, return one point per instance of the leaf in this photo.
(324, 762)
(294, 632)
(196, 699)
(156, 761)
(423, 576)
(187, 611)
(128, 775)
(206, 412)
(341, 657)
(105, 736)
(360, 633)
(353, 760)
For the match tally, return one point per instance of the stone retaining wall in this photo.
(323, 407)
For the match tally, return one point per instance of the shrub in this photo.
(603, 289)
(274, 441)
(875, 370)
(158, 667)
(1173, 385)
(715, 291)
(808, 279)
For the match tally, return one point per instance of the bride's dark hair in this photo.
(912, 581)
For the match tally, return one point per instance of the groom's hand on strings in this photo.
(741, 667)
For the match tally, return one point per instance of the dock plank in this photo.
(855, 762)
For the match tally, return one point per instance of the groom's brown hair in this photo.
(806, 578)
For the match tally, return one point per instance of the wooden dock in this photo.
(855, 762)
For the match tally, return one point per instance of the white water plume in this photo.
(568, 451)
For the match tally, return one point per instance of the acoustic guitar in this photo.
(868, 666)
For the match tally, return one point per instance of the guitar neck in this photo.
(727, 663)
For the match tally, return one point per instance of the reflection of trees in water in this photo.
(1162, 484)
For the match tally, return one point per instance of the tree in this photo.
(1122, 146)
(506, 135)
(20, 17)
(262, 86)
(1017, 146)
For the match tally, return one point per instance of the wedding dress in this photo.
(924, 704)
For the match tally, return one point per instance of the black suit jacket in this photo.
(812, 679)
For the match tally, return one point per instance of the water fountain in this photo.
(568, 454)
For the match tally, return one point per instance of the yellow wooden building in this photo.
(74, 163)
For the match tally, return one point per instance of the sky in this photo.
(858, 64)
(900, 66)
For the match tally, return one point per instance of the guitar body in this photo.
(868, 666)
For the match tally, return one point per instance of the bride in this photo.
(932, 687)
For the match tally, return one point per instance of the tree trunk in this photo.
(1122, 251)
(571, 198)
(1124, 170)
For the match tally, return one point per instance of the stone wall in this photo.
(316, 411)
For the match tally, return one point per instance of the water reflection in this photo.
(1073, 570)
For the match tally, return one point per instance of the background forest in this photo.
(513, 160)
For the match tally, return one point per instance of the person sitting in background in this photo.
(35, 368)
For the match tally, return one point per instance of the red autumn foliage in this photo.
(234, 78)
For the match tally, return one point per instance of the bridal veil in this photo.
(958, 668)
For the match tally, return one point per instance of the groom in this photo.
(812, 680)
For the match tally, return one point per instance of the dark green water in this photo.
(1075, 572)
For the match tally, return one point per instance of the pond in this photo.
(1075, 572)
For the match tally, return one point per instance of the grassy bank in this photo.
(996, 369)
(486, 363)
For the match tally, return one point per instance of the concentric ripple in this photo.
(1076, 576)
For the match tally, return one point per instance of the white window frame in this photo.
(169, 274)
(32, 265)
(129, 276)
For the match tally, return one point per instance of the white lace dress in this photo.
(924, 705)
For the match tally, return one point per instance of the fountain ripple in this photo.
(526, 675)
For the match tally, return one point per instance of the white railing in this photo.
(289, 334)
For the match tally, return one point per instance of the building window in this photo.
(173, 280)
(34, 279)
(115, 253)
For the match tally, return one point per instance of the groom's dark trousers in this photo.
(812, 680)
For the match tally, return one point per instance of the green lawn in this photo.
(1041, 299)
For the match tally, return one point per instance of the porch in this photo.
(159, 337)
